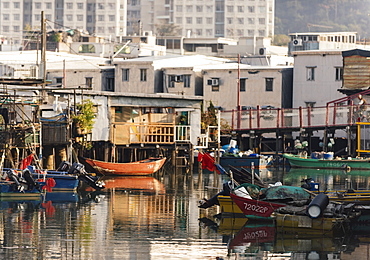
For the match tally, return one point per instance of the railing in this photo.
(255, 119)
(154, 133)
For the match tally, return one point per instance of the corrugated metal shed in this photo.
(356, 69)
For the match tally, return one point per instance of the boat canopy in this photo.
(285, 193)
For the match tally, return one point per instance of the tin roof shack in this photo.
(19, 128)
(125, 119)
(356, 71)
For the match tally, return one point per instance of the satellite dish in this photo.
(262, 51)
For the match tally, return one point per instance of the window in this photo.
(80, 5)
(69, 5)
(6, 17)
(199, 8)
(338, 73)
(48, 17)
(80, 17)
(251, 9)
(88, 81)
(189, 20)
(16, 5)
(199, 20)
(214, 82)
(310, 73)
(243, 84)
(6, 5)
(209, 20)
(240, 9)
(143, 75)
(37, 17)
(59, 80)
(178, 8)
(16, 28)
(16, 17)
(112, 18)
(171, 81)
(209, 8)
(125, 74)
(269, 84)
(261, 20)
(69, 17)
(189, 8)
(86, 48)
(100, 18)
(229, 20)
(230, 8)
(250, 20)
(179, 20)
(240, 20)
(109, 86)
(38, 5)
(186, 79)
(5, 28)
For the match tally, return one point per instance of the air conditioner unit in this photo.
(213, 82)
(297, 42)
(262, 51)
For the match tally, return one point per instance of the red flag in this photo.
(26, 161)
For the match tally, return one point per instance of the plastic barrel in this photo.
(317, 206)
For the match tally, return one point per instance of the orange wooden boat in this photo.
(143, 167)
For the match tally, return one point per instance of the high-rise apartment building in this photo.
(112, 18)
(102, 17)
(202, 18)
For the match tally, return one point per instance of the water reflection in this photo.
(157, 218)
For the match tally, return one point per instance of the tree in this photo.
(85, 116)
(167, 29)
(281, 40)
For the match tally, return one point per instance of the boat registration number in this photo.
(255, 208)
(255, 234)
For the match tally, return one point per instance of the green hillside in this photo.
(322, 16)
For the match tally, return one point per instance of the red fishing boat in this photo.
(252, 208)
(143, 167)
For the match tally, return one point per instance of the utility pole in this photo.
(43, 52)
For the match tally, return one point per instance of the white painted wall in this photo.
(324, 88)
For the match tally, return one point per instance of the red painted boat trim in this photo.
(259, 208)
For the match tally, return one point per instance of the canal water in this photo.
(157, 217)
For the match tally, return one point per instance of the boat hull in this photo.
(227, 206)
(144, 167)
(8, 190)
(255, 209)
(356, 164)
(301, 223)
(258, 162)
(63, 182)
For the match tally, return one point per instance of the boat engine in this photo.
(13, 176)
(27, 175)
(64, 166)
(79, 170)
